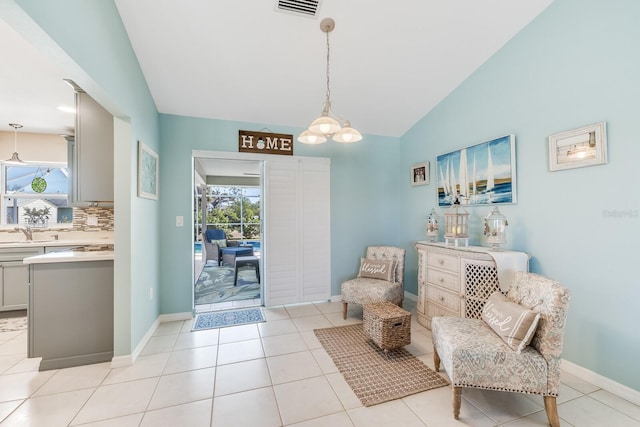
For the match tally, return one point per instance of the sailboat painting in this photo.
(481, 174)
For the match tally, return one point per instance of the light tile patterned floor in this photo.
(268, 374)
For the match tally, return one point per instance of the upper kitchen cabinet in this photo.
(91, 154)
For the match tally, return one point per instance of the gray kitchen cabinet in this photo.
(14, 277)
(70, 313)
(90, 156)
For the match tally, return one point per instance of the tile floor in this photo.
(268, 374)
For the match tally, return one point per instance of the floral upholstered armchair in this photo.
(475, 355)
(380, 278)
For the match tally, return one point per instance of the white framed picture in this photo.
(147, 172)
(576, 148)
(420, 174)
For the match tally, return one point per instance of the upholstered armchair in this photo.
(475, 355)
(213, 240)
(380, 278)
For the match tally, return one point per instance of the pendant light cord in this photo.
(328, 100)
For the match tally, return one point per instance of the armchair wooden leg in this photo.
(436, 360)
(457, 399)
(344, 310)
(551, 408)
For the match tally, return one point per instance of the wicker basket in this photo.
(387, 325)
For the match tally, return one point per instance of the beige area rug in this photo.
(373, 375)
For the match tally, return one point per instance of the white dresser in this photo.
(457, 281)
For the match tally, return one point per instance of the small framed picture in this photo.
(147, 172)
(585, 146)
(420, 174)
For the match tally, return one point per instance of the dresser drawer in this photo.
(444, 298)
(444, 262)
(434, 310)
(442, 279)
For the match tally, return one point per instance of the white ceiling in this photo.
(391, 62)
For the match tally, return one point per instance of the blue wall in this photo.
(365, 204)
(575, 65)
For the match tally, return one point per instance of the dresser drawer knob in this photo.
(440, 261)
(441, 298)
(441, 280)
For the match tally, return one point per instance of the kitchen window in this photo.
(35, 195)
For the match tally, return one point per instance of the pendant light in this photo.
(15, 159)
(328, 125)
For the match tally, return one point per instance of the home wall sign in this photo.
(265, 143)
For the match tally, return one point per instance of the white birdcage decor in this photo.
(495, 228)
(456, 224)
(432, 225)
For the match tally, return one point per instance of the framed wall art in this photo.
(147, 172)
(585, 146)
(420, 174)
(481, 174)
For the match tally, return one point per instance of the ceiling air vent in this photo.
(299, 7)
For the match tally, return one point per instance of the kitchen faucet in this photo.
(27, 231)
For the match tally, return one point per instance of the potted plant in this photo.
(37, 218)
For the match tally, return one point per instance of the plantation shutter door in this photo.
(316, 230)
(297, 231)
(281, 225)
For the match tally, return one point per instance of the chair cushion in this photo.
(363, 291)
(512, 322)
(238, 251)
(475, 356)
(383, 269)
(215, 234)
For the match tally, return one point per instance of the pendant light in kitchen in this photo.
(15, 159)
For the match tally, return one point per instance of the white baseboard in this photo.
(121, 361)
(410, 296)
(174, 317)
(129, 359)
(603, 382)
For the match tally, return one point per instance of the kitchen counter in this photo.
(70, 256)
(52, 243)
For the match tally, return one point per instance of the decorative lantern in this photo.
(495, 228)
(456, 224)
(432, 226)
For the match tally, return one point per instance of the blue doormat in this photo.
(222, 319)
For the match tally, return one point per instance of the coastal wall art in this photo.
(585, 146)
(481, 174)
(147, 172)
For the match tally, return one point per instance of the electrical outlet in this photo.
(150, 294)
(92, 220)
(179, 221)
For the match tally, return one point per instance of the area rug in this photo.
(373, 375)
(215, 284)
(223, 319)
(13, 324)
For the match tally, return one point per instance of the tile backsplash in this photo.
(81, 219)
(81, 223)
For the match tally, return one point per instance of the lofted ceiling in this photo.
(391, 62)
